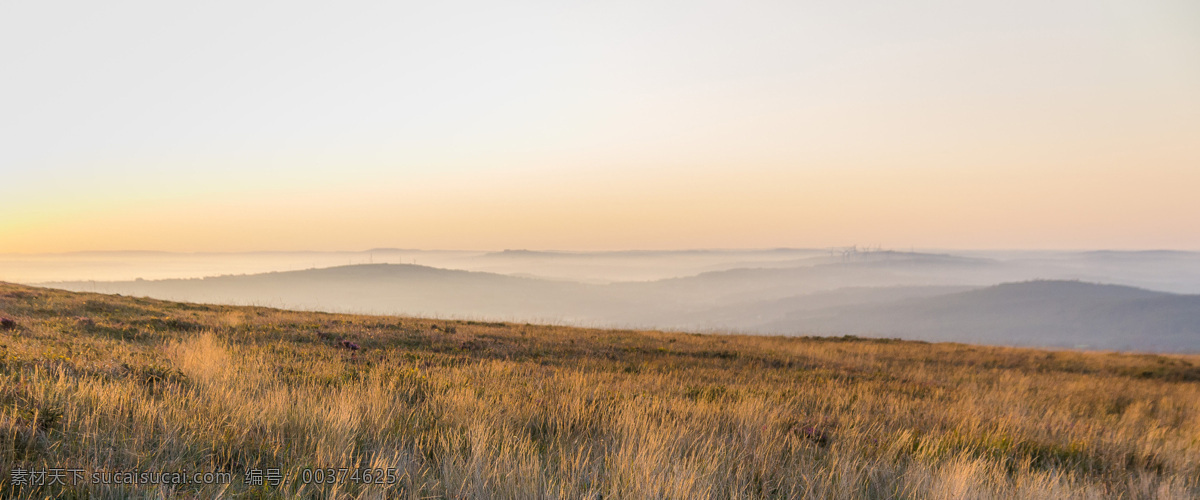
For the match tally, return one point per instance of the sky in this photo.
(239, 126)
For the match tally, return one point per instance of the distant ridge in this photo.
(911, 296)
(378, 288)
(1042, 312)
(523, 253)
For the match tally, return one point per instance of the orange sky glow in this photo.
(627, 125)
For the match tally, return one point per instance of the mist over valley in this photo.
(1129, 301)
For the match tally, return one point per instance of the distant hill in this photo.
(422, 290)
(913, 296)
(379, 288)
(1045, 313)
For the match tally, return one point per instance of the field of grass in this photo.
(457, 409)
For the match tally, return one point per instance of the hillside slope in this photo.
(419, 408)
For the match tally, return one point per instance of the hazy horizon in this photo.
(588, 266)
(859, 247)
(1139, 301)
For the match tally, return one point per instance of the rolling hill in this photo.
(1041, 313)
(915, 296)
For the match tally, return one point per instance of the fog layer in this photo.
(1141, 301)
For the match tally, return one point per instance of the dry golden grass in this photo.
(491, 410)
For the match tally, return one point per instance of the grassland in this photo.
(499, 410)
